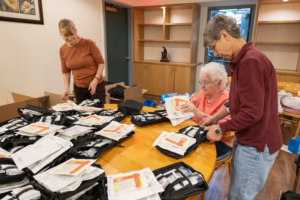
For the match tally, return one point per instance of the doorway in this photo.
(118, 43)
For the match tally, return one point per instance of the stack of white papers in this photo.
(173, 108)
(74, 132)
(69, 175)
(134, 185)
(94, 120)
(44, 150)
(65, 107)
(29, 195)
(39, 129)
(2, 130)
(4, 154)
(177, 143)
(115, 130)
(87, 109)
(10, 186)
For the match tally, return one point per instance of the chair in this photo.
(294, 113)
(225, 158)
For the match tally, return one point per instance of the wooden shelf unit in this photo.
(177, 28)
(276, 34)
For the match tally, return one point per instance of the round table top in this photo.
(138, 152)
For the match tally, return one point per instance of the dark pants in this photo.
(82, 94)
(222, 148)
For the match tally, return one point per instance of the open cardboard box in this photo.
(9, 111)
(134, 93)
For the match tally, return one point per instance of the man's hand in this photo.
(93, 86)
(207, 121)
(212, 135)
(188, 107)
(65, 95)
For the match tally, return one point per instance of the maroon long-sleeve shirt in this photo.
(253, 101)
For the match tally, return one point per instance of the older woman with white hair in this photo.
(211, 98)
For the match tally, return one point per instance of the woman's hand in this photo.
(208, 121)
(93, 86)
(65, 95)
(188, 107)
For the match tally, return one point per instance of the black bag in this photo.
(164, 114)
(4, 178)
(96, 192)
(199, 133)
(30, 117)
(5, 140)
(147, 118)
(118, 115)
(84, 144)
(57, 118)
(117, 92)
(15, 123)
(183, 185)
(289, 195)
(24, 140)
(92, 103)
(130, 107)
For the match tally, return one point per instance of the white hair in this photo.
(216, 72)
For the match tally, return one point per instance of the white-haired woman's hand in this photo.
(188, 107)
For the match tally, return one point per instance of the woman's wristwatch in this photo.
(218, 130)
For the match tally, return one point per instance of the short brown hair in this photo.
(67, 25)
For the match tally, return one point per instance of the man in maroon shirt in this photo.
(252, 106)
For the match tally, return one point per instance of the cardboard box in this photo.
(134, 93)
(9, 111)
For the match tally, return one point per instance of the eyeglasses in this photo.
(214, 46)
(206, 83)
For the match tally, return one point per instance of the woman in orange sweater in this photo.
(84, 59)
(211, 98)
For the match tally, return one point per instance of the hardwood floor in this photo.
(281, 176)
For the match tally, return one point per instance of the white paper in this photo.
(103, 119)
(4, 154)
(36, 152)
(42, 163)
(179, 150)
(72, 164)
(153, 187)
(116, 135)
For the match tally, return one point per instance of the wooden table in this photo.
(138, 152)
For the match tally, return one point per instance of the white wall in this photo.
(29, 54)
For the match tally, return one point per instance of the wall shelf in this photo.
(167, 63)
(150, 24)
(178, 24)
(179, 41)
(278, 43)
(280, 22)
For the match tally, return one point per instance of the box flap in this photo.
(20, 97)
(54, 99)
(134, 93)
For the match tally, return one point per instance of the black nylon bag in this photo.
(289, 195)
(164, 114)
(200, 137)
(6, 143)
(56, 118)
(13, 125)
(82, 142)
(24, 140)
(97, 192)
(28, 117)
(4, 178)
(189, 190)
(130, 106)
(117, 114)
(139, 122)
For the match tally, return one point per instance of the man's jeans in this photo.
(250, 169)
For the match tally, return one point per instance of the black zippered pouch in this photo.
(30, 117)
(146, 118)
(118, 115)
(14, 124)
(4, 177)
(181, 181)
(85, 144)
(20, 140)
(199, 133)
(96, 192)
(5, 140)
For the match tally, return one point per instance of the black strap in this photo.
(22, 192)
(11, 167)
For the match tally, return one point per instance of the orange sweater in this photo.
(200, 101)
(82, 59)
